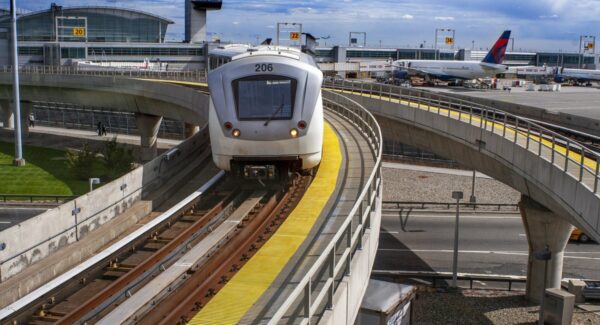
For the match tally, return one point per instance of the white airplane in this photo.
(579, 76)
(448, 70)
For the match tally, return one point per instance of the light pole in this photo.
(543, 255)
(19, 161)
(457, 195)
(472, 199)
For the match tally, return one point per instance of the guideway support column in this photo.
(6, 112)
(190, 129)
(543, 228)
(148, 126)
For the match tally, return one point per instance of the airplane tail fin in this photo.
(496, 54)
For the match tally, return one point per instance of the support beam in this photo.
(148, 126)
(190, 130)
(8, 118)
(543, 228)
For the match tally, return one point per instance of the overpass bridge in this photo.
(557, 176)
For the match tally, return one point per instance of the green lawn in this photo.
(45, 172)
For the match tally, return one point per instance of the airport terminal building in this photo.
(129, 38)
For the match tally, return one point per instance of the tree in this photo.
(118, 160)
(81, 162)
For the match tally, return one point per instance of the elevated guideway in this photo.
(325, 257)
(557, 176)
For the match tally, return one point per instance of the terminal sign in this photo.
(294, 36)
(449, 41)
(79, 32)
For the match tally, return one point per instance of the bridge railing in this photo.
(100, 71)
(570, 156)
(315, 290)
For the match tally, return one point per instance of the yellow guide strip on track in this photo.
(245, 288)
(560, 149)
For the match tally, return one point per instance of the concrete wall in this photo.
(119, 94)
(493, 155)
(350, 292)
(48, 232)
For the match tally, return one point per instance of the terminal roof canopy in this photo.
(104, 24)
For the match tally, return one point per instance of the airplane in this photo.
(577, 76)
(448, 70)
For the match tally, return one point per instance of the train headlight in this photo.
(294, 133)
(236, 133)
(302, 125)
(228, 125)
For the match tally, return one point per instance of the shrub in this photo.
(81, 162)
(117, 159)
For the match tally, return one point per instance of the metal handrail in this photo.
(423, 204)
(37, 197)
(337, 264)
(536, 137)
(185, 75)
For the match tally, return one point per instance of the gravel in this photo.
(409, 185)
(482, 307)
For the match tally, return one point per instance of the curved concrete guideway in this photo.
(557, 192)
(148, 99)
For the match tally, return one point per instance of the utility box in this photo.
(558, 307)
(387, 303)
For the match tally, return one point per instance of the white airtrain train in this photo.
(447, 70)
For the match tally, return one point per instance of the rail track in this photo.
(193, 252)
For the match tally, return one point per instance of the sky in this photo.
(554, 25)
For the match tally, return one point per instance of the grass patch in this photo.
(45, 173)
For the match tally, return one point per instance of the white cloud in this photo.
(444, 18)
(407, 16)
(555, 16)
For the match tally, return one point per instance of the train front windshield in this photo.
(265, 97)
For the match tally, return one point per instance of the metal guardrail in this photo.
(448, 205)
(36, 197)
(571, 157)
(314, 291)
(470, 277)
(187, 75)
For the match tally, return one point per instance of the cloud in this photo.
(546, 24)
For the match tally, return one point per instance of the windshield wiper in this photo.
(276, 112)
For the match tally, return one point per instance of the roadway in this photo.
(10, 216)
(489, 244)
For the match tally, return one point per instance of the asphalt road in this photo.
(10, 216)
(489, 244)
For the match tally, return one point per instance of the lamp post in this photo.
(457, 195)
(543, 255)
(19, 161)
(473, 199)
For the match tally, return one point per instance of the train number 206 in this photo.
(263, 67)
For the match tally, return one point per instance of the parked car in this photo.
(579, 236)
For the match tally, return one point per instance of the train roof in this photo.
(238, 51)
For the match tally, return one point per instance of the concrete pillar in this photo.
(195, 23)
(190, 130)
(8, 117)
(148, 126)
(543, 228)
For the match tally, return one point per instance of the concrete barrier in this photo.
(45, 234)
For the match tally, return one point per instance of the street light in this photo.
(94, 181)
(543, 255)
(19, 161)
(457, 195)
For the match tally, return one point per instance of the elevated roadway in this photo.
(557, 176)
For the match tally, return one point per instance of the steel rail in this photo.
(80, 269)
